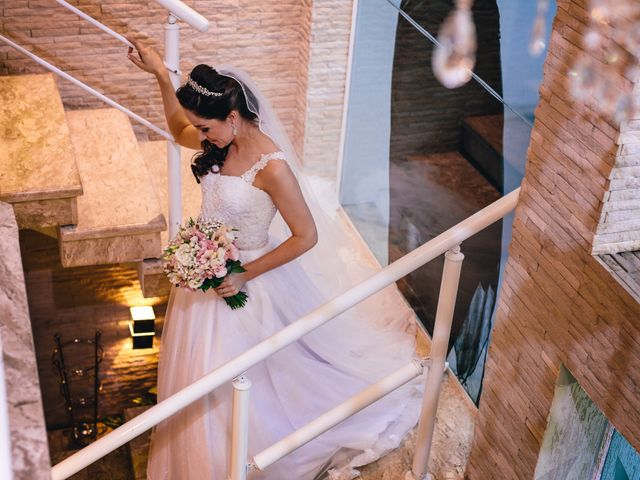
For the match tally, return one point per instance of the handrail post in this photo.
(240, 429)
(439, 347)
(172, 59)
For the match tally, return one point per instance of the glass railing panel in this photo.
(420, 157)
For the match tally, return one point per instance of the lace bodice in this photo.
(235, 201)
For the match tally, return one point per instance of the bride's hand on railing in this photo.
(148, 58)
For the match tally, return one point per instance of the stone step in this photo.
(481, 144)
(452, 439)
(153, 280)
(114, 466)
(119, 215)
(38, 172)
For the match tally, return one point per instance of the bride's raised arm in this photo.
(150, 61)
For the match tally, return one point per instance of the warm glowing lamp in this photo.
(142, 326)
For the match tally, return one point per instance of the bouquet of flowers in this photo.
(201, 255)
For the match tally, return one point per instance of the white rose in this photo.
(184, 255)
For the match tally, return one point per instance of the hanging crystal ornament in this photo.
(592, 40)
(455, 55)
(600, 11)
(607, 68)
(584, 81)
(631, 40)
(537, 42)
(613, 11)
(625, 108)
(606, 96)
(633, 74)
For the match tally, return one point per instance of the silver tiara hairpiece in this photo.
(201, 90)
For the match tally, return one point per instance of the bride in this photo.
(295, 259)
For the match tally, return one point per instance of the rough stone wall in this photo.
(268, 39)
(74, 302)
(328, 55)
(426, 117)
(29, 449)
(557, 303)
(619, 226)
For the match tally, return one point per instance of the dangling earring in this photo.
(234, 130)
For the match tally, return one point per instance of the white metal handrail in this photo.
(106, 29)
(447, 241)
(186, 14)
(337, 414)
(177, 8)
(87, 88)
(437, 366)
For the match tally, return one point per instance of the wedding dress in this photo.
(293, 386)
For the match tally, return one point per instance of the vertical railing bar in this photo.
(439, 347)
(240, 429)
(174, 171)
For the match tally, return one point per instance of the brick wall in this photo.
(74, 302)
(302, 47)
(268, 39)
(557, 303)
(328, 55)
(426, 116)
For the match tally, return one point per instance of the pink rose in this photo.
(220, 271)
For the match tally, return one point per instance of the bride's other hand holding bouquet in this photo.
(203, 255)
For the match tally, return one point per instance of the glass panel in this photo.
(419, 157)
(364, 185)
(574, 435)
(623, 462)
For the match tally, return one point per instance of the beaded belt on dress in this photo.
(259, 247)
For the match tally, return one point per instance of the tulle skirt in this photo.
(290, 388)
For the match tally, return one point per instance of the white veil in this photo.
(370, 340)
(332, 254)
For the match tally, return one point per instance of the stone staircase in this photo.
(38, 173)
(76, 175)
(481, 144)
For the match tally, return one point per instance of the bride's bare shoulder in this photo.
(276, 168)
(275, 175)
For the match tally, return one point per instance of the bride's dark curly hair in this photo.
(217, 107)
